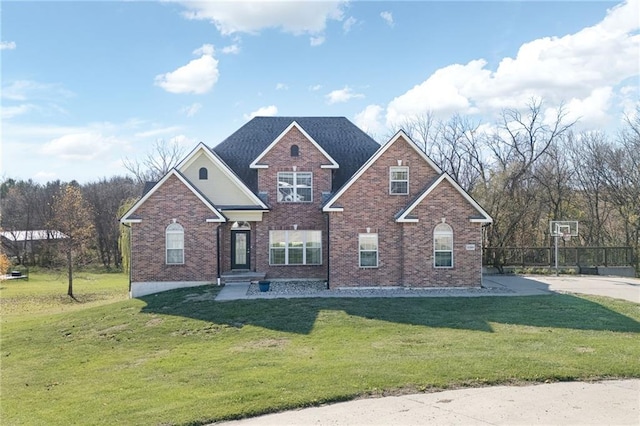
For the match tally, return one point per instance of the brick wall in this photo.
(308, 216)
(443, 202)
(173, 201)
(405, 250)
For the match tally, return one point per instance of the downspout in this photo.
(482, 235)
(328, 251)
(218, 253)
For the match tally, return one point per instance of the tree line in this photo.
(531, 168)
(527, 169)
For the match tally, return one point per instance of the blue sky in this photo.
(86, 84)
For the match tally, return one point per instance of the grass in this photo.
(46, 292)
(181, 358)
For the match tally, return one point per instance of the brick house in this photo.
(306, 198)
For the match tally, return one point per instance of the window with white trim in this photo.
(399, 180)
(293, 247)
(443, 246)
(368, 250)
(295, 187)
(174, 241)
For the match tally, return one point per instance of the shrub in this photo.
(5, 263)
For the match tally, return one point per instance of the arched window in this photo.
(295, 151)
(443, 246)
(240, 226)
(203, 173)
(174, 239)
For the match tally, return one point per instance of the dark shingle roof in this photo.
(349, 146)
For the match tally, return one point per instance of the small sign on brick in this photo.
(470, 247)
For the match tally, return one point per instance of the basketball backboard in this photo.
(563, 228)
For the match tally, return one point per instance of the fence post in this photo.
(605, 257)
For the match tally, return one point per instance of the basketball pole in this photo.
(556, 256)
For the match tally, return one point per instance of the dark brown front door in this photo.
(240, 249)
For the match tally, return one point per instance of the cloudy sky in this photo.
(86, 84)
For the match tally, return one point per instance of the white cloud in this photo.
(295, 17)
(282, 86)
(316, 41)
(342, 95)
(348, 24)
(197, 77)
(388, 18)
(370, 120)
(232, 49)
(156, 132)
(267, 111)
(582, 70)
(79, 146)
(43, 176)
(315, 88)
(191, 110)
(22, 90)
(14, 111)
(7, 45)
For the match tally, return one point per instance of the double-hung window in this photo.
(368, 250)
(295, 187)
(295, 247)
(443, 246)
(174, 242)
(399, 180)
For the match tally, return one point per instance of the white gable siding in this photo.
(219, 188)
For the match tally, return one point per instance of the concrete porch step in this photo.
(241, 276)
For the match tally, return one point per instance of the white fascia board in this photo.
(400, 220)
(145, 197)
(488, 220)
(217, 220)
(184, 164)
(401, 133)
(445, 176)
(205, 201)
(364, 168)
(172, 172)
(124, 220)
(333, 209)
(254, 164)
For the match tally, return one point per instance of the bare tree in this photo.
(105, 198)
(162, 158)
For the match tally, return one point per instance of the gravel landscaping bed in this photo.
(319, 289)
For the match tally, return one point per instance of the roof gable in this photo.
(405, 215)
(328, 207)
(217, 215)
(224, 168)
(255, 164)
(339, 137)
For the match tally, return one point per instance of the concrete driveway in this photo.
(614, 402)
(616, 287)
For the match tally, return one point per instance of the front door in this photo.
(240, 249)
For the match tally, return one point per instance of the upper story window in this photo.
(399, 180)
(203, 173)
(443, 246)
(174, 241)
(295, 151)
(295, 187)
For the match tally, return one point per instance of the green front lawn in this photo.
(181, 358)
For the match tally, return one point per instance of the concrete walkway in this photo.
(615, 402)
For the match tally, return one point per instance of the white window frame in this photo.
(307, 238)
(442, 230)
(392, 180)
(175, 230)
(294, 197)
(374, 238)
